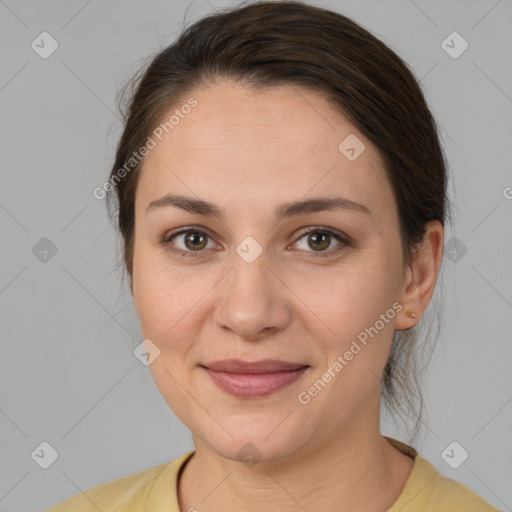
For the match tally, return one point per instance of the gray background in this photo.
(67, 372)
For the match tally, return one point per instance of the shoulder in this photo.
(107, 495)
(125, 494)
(427, 490)
(449, 495)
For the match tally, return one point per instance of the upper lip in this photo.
(254, 367)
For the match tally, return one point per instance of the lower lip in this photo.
(251, 386)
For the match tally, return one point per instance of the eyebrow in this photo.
(287, 210)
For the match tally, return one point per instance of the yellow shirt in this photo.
(155, 490)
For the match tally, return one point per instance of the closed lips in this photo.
(253, 368)
(254, 380)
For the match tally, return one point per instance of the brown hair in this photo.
(267, 44)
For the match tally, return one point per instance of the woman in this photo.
(281, 196)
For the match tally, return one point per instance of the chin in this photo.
(260, 443)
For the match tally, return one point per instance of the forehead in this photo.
(282, 141)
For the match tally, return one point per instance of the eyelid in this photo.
(344, 240)
(166, 240)
(325, 229)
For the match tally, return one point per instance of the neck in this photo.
(358, 470)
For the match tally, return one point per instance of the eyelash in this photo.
(344, 241)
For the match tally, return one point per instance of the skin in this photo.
(248, 152)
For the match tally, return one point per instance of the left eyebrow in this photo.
(287, 210)
(297, 208)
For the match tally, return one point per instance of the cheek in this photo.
(351, 315)
(344, 298)
(168, 299)
(154, 296)
(160, 305)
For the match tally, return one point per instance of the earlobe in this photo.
(421, 277)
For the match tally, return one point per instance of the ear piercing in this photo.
(412, 314)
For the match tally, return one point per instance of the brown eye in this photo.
(195, 240)
(318, 240)
(188, 241)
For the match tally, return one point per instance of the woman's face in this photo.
(253, 284)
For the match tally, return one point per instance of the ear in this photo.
(421, 277)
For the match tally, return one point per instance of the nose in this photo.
(252, 300)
